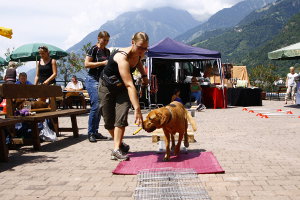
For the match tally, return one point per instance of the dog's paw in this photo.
(186, 144)
(166, 158)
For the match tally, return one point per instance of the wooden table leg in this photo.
(83, 103)
(35, 136)
(74, 126)
(3, 146)
(55, 125)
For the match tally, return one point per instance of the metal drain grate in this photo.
(169, 184)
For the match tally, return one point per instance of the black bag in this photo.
(111, 81)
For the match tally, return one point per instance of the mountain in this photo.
(288, 35)
(227, 17)
(255, 31)
(158, 24)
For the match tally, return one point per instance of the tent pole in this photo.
(149, 64)
(222, 80)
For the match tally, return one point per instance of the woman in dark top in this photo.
(117, 90)
(95, 60)
(11, 73)
(46, 69)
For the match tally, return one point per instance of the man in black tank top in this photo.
(95, 60)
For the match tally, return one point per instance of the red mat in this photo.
(201, 162)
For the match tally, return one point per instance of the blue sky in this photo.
(65, 22)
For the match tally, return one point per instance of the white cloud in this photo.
(64, 23)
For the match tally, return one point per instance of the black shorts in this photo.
(114, 106)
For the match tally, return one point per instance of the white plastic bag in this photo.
(47, 134)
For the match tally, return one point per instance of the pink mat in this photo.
(201, 162)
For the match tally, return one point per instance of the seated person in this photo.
(73, 89)
(196, 92)
(176, 96)
(74, 85)
(10, 75)
(23, 79)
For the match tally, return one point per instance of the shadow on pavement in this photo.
(21, 155)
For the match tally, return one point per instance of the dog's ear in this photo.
(163, 116)
(152, 116)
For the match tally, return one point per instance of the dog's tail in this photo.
(191, 120)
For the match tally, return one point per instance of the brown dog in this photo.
(20, 103)
(173, 119)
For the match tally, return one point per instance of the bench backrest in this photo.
(8, 91)
(15, 91)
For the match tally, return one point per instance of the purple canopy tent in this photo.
(172, 50)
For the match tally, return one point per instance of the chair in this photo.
(86, 97)
(280, 92)
(59, 102)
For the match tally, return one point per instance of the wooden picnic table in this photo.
(15, 91)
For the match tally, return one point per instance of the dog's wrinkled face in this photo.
(155, 119)
(151, 122)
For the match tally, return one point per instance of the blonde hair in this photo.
(140, 36)
(12, 64)
(103, 34)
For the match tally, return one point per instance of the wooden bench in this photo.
(15, 91)
(158, 135)
(3, 146)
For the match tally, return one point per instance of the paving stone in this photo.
(260, 158)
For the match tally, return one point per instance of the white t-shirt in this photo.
(71, 85)
(291, 79)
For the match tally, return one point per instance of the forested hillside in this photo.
(264, 30)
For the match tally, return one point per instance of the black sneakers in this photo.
(118, 155)
(97, 136)
(124, 147)
(92, 138)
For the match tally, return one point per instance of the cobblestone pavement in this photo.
(261, 159)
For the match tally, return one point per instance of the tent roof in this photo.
(289, 52)
(171, 49)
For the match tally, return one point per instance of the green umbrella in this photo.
(3, 62)
(29, 52)
(286, 53)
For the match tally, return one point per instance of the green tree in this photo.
(73, 64)
(7, 54)
(263, 77)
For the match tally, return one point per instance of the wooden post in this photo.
(74, 126)
(35, 136)
(3, 149)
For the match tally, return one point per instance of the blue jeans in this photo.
(197, 96)
(94, 117)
